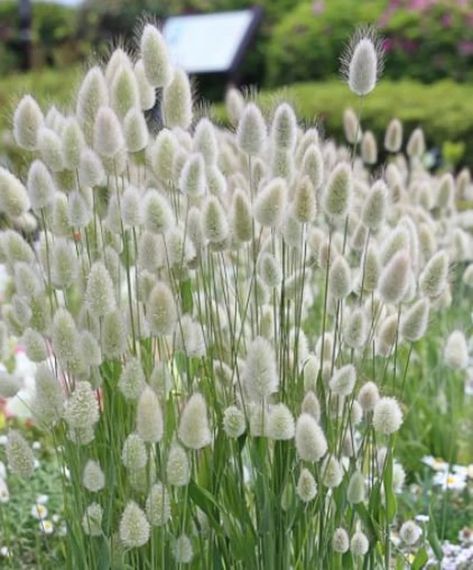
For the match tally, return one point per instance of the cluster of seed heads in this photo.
(175, 275)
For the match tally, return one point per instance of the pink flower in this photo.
(318, 7)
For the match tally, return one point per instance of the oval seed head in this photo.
(108, 134)
(356, 329)
(158, 505)
(351, 126)
(374, 208)
(50, 149)
(332, 473)
(387, 416)
(433, 279)
(63, 263)
(456, 351)
(337, 196)
(132, 379)
(356, 488)
(393, 136)
(359, 544)
(446, 191)
(89, 349)
(192, 179)
(394, 278)
(305, 205)
(93, 477)
(340, 541)
(91, 171)
(176, 103)
(308, 138)
(260, 376)
(313, 165)
(416, 144)
(82, 409)
(15, 248)
(99, 295)
(410, 533)
(270, 203)
(310, 405)
(19, 455)
(362, 62)
(240, 216)
(65, 337)
(182, 550)
(369, 148)
(48, 401)
(124, 93)
(92, 520)
(234, 104)
(78, 211)
(35, 345)
(339, 278)
(387, 335)
(10, 384)
(92, 95)
(280, 423)
(162, 154)
(161, 310)
(149, 418)
(134, 454)
(343, 381)
(214, 221)
(269, 269)
(131, 207)
(135, 130)
(368, 396)
(114, 335)
(157, 213)
(72, 143)
(251, 131)
(146, 91)
(306, 486)
(134, 527)
(194, 431)
(311, 444)
(177, 468)
(155, 58)
(14, 200)
(27, 120)
(414, 322)
(284, 128)
(234, 423)
(205, 142)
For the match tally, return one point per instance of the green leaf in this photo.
(186, 296)
(391, 502)
(203, 499)
(420, 560)
(104, 560)
(433, 537)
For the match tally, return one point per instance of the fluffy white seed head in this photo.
(269, 269)
(35, 345)
(19, 455)
(351, 126)
(369, 148)
(154, 55)
(305, 205)
(135, 130)
(10, 384)
(284, 128)
(182, 550)
(50, 149)
(192, 179)
(311, 444)
(240, 217)
(251, 132)
(161, 310)
(108, 136)
(456, 351)
(177, 468)
(359, 544)
(339, 278)
(340, 541)
(14, 200)
(176, 102)
(343, 381)
(162, 155)
(114, 335)
(356, 329)
(27, 120)
(158, 505)
(205, 141)
(157, 213)
(214, 221)
(124, 93)
(134, 528)
(410, 533)
(149, 418)
(387, 416)
(313, 165)
(337, 195)
(368, 396)
(260, 376)
(374, 208)
(270, 203)
(356, 488)
(332, 473)
(234, 423)
(280, 423)
(394, 278)
(132, 379)
(416, 144)
(446, 191)
(73, 143)
(82, 409)
(134, 454)
(93, 477)
(92, 520)
(433, 279)
(393, 136)
(415, 320)
(194, 431)
(99, 295)
(92, 95)
(306, 486)
(146, 91)
(310, 405)
(131, 207)
(91, 171)
(362, 62)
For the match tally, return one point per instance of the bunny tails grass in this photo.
(223, 322)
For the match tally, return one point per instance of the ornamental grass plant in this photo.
(222, 319)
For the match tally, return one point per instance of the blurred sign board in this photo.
(210, 43)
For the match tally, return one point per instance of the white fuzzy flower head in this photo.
(410, 533)
(194, 431)
(393, 136)
(394, 278)
(92, 95)
(162, 154)
(415, 320)
(91, 172)
(343, 380)
(177, 468)
(332, 473)
(135, 130)
(337, 195)
(182, 550)
(369, 148)
(124, 93)
(359, 544)
(351, 126)
(313, 165)
(158, 505)
(311, 405)
(306, 486)
(157, 213)
(234, 423)
(362, 62)
(270, 203)
(108, 134)
(82, 408)
(48, 402)
(41, 187)
(280, 423)
(214, 221)
(176, 103)
(149, 417)
(416, 144)
(72, 143)
(134, 527)
(10, 384)
(93, 477)
(50, 149)
(356, 488)
(387, 416)
(260, 376)
(456, 351)
(162, 311)
(284, 128)
(27, 121)
(339, 278)
(356, 329)
(340, 541)
(134, 455)
(368, 396)
(251, 132)
(433, 279)
(311, 444)
(99, 296)
(374, 208)
(146, 91)
(205, 141)
(240, 217)
(34, 345)
(132, 379)
(14, 200)
(192, 178)
(19, 455)
(305, 205)
(155, 58)
(92, 520)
